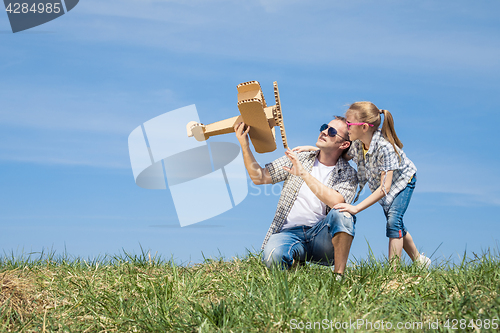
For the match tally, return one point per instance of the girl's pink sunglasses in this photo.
(350, 124)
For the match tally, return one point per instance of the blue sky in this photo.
(73, 89)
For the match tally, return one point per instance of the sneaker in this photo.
(338, 277)
(423, 260)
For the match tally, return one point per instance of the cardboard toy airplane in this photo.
(255, 113)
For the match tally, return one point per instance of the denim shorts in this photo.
(395, 227)
(304, 243)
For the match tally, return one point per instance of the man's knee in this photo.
(341, 222)
(333, 214)
(267, 256)
(275, 257)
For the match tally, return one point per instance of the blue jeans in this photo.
(303, 243)
(395, 227)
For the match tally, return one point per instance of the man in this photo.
(305, 228)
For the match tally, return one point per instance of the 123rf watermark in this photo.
(381, 325)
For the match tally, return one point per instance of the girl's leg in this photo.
(412, 251)
(398, 236)
(410, 247)
(395, 248)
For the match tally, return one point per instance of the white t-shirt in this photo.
(308, 209)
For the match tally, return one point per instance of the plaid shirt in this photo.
(342, 179)
(382, 157)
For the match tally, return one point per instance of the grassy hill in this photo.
(143, 294)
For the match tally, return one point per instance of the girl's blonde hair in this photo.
(367, 112)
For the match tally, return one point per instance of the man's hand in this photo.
(343, 207)
(242, 134)
(257, 174)
(297, 169)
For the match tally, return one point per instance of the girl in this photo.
(391, 176)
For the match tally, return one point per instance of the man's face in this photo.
(329, 142)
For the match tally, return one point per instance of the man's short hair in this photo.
(341, 118)
(344, 151)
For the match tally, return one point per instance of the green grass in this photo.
(142, 294)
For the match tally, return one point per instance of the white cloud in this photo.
(387, 34)
(65, 148)
(111, 112)
(469, 182)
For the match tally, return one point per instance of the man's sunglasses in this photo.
(331, 131)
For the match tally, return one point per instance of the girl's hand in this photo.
(300, 149)
(343, 207)
(297, 169)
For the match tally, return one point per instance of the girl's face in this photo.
(354, 131)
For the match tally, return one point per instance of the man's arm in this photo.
(327, 195)
(258, 174)
(324, 193)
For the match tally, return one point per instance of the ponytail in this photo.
(389, 132)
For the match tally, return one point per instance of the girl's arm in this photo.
(372, 198)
